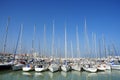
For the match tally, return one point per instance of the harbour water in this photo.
(72, 75)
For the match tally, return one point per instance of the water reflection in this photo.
(92, 74)
(27, 73)
(50, 74)
(38, 74)
(77, 73)
(72, 75)
(64, 74)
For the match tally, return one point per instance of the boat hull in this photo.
(65, 68)
(76, 67)
(27, 69)
(5, 66)
(101, 67)
(17, 67)
(115, 67)
(93, 70)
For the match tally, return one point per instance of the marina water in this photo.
(71, 75)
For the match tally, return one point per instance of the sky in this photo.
(102, 18)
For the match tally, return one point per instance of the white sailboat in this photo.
(17, 63)
(18, 66)
(76, 65)
(101, 67)
(65, 66)
(30, 66)
(42, 65)
(53, 66)
(115, 65)
(40, 68)
(108, 67)
(101, 64)
(89, 67)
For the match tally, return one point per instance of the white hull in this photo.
(39, 69)
(101, 67)
(65, 68)
(53, 67)
(76, 67)
(27, 69)
(116, 67)
(93, 70)
(17, 67)
(89, 68)
(108, 67)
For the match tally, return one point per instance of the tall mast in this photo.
(77, 38)
(59, 49)
(19, 41)
(33, 40)
(71, 50)
(39, 48)
(65, 43)
(53, 41)
(6, 35)
(44, 39)
(104, 46)
(87, 40)
(113, 50)
(99, 49)
(94, 44)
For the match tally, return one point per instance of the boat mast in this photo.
(77, 40)
(39, 48)
(99, 49)
(86, 40)
(95, 44)
(19, 41)
(44, 40)
(65, 43)
(6, 35)
(104, 46)
(71, 50)
(33, 43)
(53, 42)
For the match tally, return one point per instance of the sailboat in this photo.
(65, 66)
(42, 65)
(5, 64)
(54, 66)
(115, 65)
(114, 62)
(29, 66)
(18, 64)
(76, 64)
(88, 66)
(101, 66)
